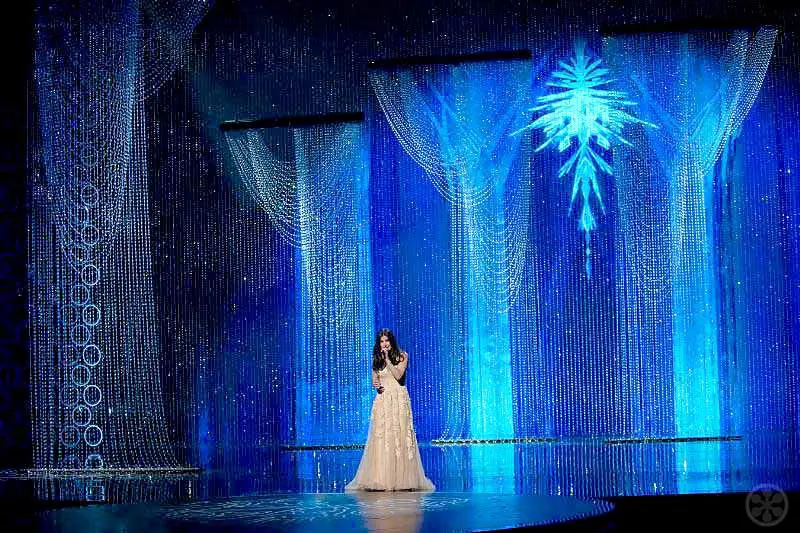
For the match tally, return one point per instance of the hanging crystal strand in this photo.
(89, 72)
(454, 121)
(86, 153)
(673, 273)
(325, 174)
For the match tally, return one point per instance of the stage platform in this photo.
(584, 485)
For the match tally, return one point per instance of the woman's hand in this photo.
(400, 369)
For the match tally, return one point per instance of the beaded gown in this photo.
(391, 458)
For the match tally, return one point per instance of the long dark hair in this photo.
(395, 355)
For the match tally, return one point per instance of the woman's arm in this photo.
(400, 369)
(375, 381)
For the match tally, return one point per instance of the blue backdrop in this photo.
(272, 256)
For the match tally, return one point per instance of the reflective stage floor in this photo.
(586, 485)
(399, 512)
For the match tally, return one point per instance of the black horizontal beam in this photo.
(536, 440)
(320, 447)
(515, 440)
(686, 26)
(291, 121)
(511, 55)
(667, 440)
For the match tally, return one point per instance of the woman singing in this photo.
(391, 457)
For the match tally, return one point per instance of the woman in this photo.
(391, 457)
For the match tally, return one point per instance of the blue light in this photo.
(686, 327)
(700, 87)
(454, 121)
(313, 185)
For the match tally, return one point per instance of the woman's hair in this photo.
(395, 355)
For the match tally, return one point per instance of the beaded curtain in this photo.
(95, 348)
(568, 333)
(508, 334)
(707, 85)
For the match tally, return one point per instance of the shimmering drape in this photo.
(319, 200)
(97, 395)
(698, 88)
(454, 121)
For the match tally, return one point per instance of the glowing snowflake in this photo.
(583, 111)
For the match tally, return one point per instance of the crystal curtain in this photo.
(97, 399)
(454, 121)
(698, 88)
(316, 194)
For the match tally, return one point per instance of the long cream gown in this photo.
(391, 457)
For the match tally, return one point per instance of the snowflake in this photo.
(586, 115)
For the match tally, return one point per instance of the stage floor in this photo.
(479, 487)
(398, 512)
